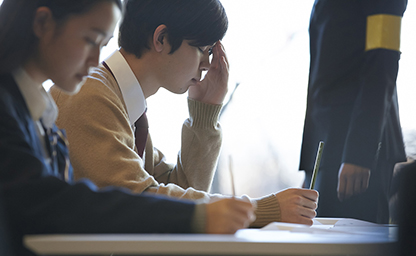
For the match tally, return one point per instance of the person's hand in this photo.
(226, 216)
(298, 205)
(352, 180)
(213, 88)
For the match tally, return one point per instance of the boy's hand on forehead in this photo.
(213, 88)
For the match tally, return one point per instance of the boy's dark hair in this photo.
(203, 22)
(17, 39)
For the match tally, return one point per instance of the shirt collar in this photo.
(129, 85)
(38, 101)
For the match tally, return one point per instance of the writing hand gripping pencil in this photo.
(299, 205)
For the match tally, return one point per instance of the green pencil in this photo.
(317, 162)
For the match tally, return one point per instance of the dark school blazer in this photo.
(38, 201)
(5, 247)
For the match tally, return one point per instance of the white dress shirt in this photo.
(129, 85)
(39, 102)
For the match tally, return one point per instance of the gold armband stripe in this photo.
(383, 31)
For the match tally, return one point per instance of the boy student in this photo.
(60, 40)
(164, 43)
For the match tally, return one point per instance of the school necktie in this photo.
(140, 133)
(57, 147)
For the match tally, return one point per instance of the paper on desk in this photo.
(290, 227)
(321, 225)
(337, 222)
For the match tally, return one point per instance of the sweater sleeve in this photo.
(267, 208)
(201, 143)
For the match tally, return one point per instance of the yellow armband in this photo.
(383, 31)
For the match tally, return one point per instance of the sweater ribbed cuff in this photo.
(203, 115)
(199, 219)
(268, 210)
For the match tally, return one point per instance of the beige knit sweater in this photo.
(102, 147)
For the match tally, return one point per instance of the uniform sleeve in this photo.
(377, 95)
(198, 157)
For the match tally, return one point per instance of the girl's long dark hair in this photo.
(17, 39)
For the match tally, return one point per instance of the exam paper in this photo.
(327, 225)
(341, 222)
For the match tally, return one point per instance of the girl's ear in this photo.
(159, 40)
(43, 22)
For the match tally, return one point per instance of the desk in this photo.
(362, 240)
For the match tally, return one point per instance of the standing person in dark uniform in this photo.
(352, 105)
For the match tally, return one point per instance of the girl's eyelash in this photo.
(91, 42)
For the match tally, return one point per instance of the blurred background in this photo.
(268, 49)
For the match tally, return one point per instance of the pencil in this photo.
(232, 175)
(317, 162)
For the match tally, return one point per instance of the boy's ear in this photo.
(43, 22)
(160, 38)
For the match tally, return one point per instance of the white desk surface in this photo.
(280, 239)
